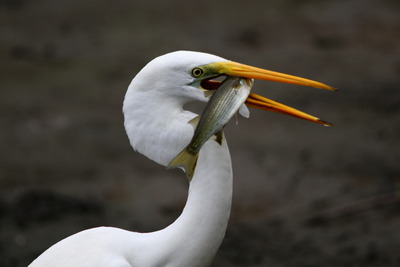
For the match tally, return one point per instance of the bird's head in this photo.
(189, 75)
(153, 107)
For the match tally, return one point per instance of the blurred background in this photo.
(304, 194)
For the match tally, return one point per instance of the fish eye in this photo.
(197, 72)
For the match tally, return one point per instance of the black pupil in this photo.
(197, 72)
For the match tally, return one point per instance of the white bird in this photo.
(157, 127)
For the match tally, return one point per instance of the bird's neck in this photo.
(194, 238)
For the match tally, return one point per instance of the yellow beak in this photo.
(255, 101)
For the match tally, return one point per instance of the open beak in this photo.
(231, 68)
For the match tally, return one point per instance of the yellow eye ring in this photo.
(197, 72)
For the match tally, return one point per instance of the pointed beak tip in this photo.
(325, 123)
(333, 89)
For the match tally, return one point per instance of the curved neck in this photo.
(194, 238)
(206, 214)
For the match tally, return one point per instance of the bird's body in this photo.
(157, 127)
(192, 240)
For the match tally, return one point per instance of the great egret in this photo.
(157, 127)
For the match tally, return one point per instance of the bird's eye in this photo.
(197, 72)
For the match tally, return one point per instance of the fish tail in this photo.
(185, 160)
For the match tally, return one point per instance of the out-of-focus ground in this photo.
(304, 195)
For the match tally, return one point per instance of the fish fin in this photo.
(185, 160)
(244, 111)
(194, 121)
(219, 136)
(209, 93)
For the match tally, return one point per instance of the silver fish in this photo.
(222, 106)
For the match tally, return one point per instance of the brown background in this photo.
(304, 195)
